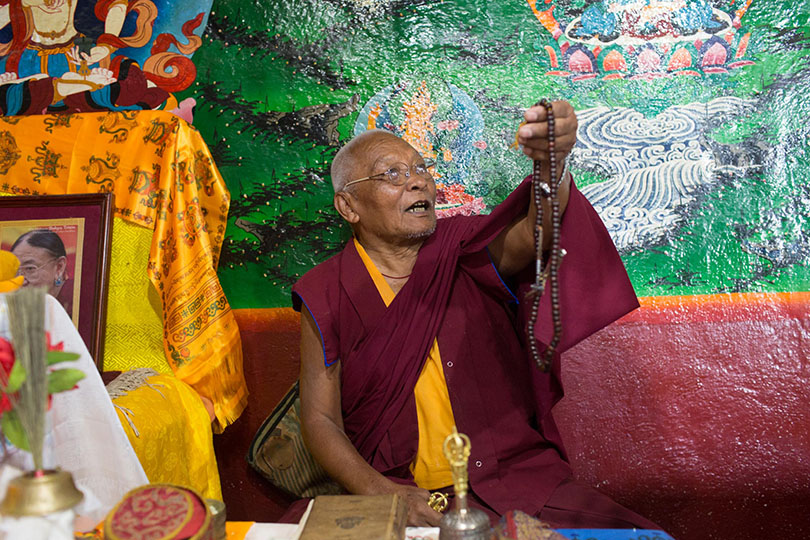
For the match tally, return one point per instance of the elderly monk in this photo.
(417, 325)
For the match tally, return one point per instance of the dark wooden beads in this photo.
(543, 190)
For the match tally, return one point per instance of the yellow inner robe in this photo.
(434, 413)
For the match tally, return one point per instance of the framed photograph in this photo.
(63, 243)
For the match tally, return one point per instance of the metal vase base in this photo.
(31, 495)
(465, 524)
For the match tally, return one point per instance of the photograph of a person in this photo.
(50, 256)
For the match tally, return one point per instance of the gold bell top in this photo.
(462, 523)
(457, 451)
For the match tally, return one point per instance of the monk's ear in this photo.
(344, 204)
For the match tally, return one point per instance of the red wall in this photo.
(694, 412)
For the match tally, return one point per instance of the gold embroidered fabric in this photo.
(164, 178)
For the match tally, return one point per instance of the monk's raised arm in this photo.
(514, 248)
(322, 429)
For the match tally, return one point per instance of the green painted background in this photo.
(276, 78)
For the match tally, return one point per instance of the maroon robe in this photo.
(499, 399)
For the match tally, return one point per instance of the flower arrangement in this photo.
(27, 378)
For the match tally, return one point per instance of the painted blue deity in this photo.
(609, 20)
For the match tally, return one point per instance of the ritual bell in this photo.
(463, 522)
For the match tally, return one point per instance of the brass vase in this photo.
(31, 495)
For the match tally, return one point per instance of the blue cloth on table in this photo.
(613, 534)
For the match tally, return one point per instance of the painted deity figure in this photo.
(49, 66)
(647, 19)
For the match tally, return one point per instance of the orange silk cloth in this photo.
(164, 178)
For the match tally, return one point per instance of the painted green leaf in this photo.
(63, 379)
(13, 430)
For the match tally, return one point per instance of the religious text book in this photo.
(348, 517)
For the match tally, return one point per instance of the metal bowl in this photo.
(30, 495)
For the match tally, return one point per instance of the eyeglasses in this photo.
(399, 173)
(29, 270)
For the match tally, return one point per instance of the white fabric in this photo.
(272, 531)
(286, 531)
(51, 527)
(86, 437)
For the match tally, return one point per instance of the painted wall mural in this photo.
(644, 39)
(692, 145)
(66, 56)
(445, 125)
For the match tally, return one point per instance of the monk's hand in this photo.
(420, 514)
(533, 134)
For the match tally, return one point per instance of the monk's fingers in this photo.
(420, 514)
(564, 111)
(540, 130)
(561, 141)
(533, 135)
(538, 113)
(431, 517)
(536, 136)
(543, 155)
(562, 145)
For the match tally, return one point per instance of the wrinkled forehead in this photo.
(386, 149)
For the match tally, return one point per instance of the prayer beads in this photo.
(549, 191)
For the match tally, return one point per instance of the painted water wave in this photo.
(656, 165)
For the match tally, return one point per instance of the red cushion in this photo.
(270, 340)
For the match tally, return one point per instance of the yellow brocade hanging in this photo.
(134, 336)
(164, 178)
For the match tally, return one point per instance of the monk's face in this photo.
(389, 212)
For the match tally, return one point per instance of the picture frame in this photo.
(63, 242)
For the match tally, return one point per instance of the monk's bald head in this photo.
(354, 159)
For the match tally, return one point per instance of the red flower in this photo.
(5, 404)
(6, 356)
(6, 363)
(54, 346)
